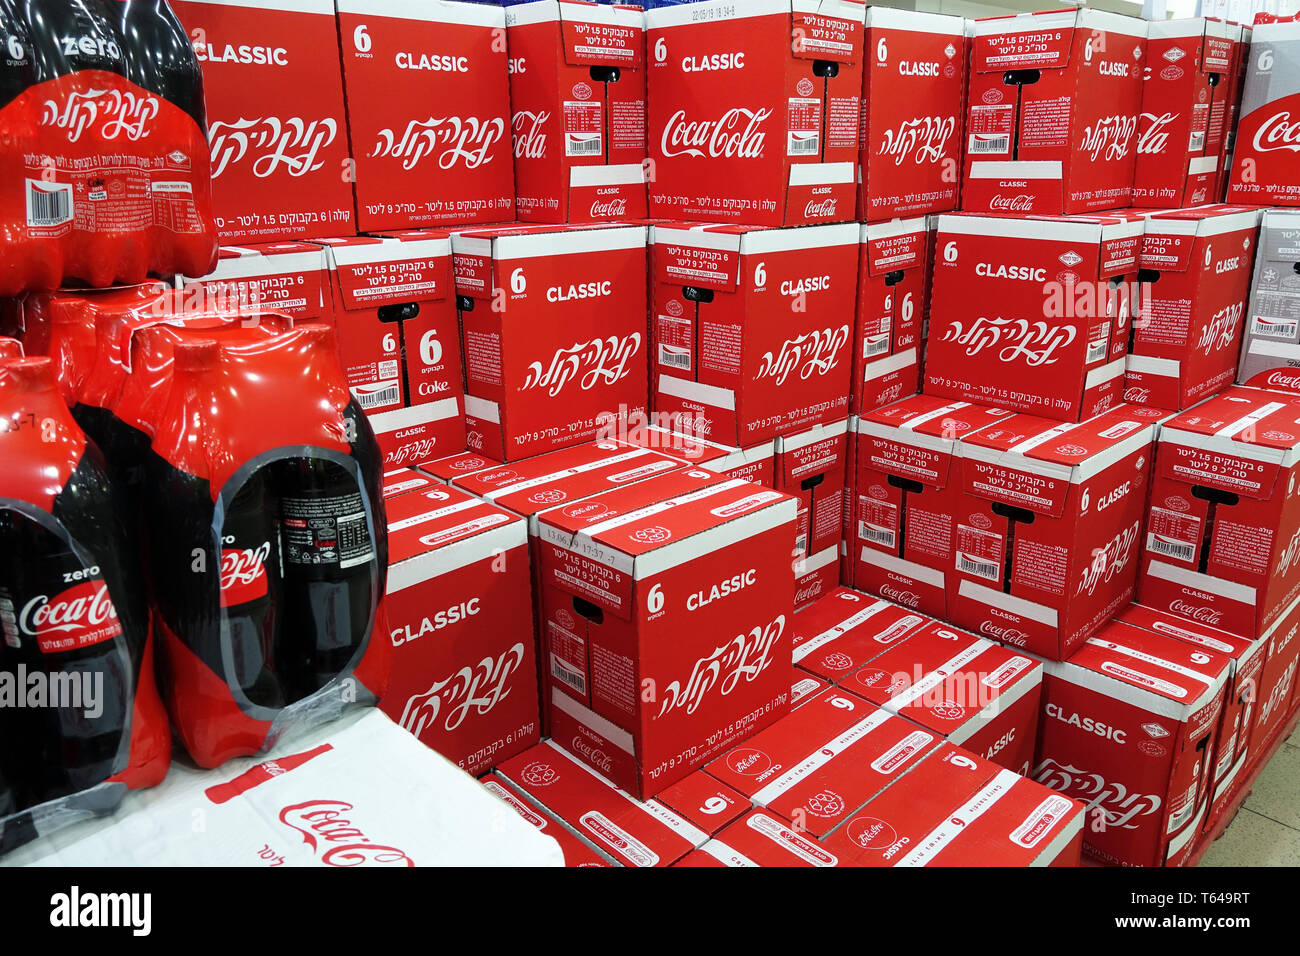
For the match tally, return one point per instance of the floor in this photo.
(1267, 830)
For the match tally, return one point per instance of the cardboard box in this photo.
(754, 110)
(811, 467)
(805, 686)
(1234, 86)
(1270, 356)
(628, 831)
(1223, 529)
(1195, 279)
(1232, 737)
(394, 315)
(1277, 683)
(288, 277)
(752, 328)
(452, 467)
(1183, 126)
(678, 593)
(845, 630)
(276, 119)
(1268, 131)
(577, 851)
(754, 464)
(914, 74)
(460, 612)
(957, 809)
(1053, 104)
(578, 96)
(1048, 527)
(760, 839)
(553, 328)
(893, 289)
(401, 481)
(428, 99)
(964, 688)
(903, 501)
(1128, 728)
(817, 766)
(1024, 312)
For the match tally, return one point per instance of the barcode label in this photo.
(804, 143)
(583, 147)
(881, 536)
(801, 544)
(1197, 141)
(1097, 350)
(990, 144)
(566, 676)
(48, 204)
(673, 358)
(386, 396)
(981, 569)
(1274, 328)
(1171, 549)
(875, 345)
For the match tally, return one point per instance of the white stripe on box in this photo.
(896, 565)
(617, 736)
(1008, 602)
(709, 395)
(476, 407)
(398, 418)
(619, 174)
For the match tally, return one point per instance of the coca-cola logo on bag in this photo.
(116, 112)
(476, 689)
(335, 838)
(530, 138)
(816, 352)
(745, 657)
(82, 615)
(1278, 132)
(1036, 343)
(737, 134)
(272, 144)
(1221, 331)
(1108, 138)
(466, 141)
(922, 140)
(1110, 560)
(243, 574)
(1121, 809)
(598, 362)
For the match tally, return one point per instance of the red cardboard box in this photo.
(1196, 272)
(893, 288)
(964, 688)
(805, 686)
(844, 630)
(755, 110)
(460, 612)
(915, 85)
(1053, 104)
(1048, 527)
(448, 469)
(811, 467)
(1024, 312)
(553, 327)
(395, 317)
(903, 502)
(1234, 85)
(754, 464)
(760, 839)
(428, 99)
(400, 481)
(957, 809)
(578, 91)
(577, 851)
(1223, 530)
(752, 328)
(629, 831)
(1268, 132)
(279, 161)
(681, 591)
(1183, 126)
(1128, 728)
(288, 277)
(1232, 738)
(825, 760)
(1277, 683)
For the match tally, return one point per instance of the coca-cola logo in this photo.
(591, 364)
(458, 141)
(592, 754)
(737, 134)
(1121, 809)
(1004, 633)
(1110, 560)
(1108, 138)
(609, 208)
(922, 140)
(335, 838)
(476, 689)
(820, 208)
(1195, 612)
(1221, 331)
(530, 137)
(743, 658)
(1287, 381)
(813, 353)
(270, 144)
(1021, 202)
(81, 615)
(1289, 554)
(243, 574)
(412, 451)
(586, 512)
(898, 596)
(1036, 343)
(1278, 132)
(1138, 395)
(116, 113)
